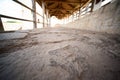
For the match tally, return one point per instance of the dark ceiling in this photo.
(62, 8)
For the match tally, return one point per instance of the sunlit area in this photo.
(11, 24)
(55, 22)
(13, 9)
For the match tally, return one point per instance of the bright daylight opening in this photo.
(14, 9)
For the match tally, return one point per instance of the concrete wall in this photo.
(105, 19)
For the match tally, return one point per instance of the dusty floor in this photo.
(61, 54)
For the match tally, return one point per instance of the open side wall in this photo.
(105, 19)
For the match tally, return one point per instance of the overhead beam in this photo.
(59, 9)
(54, 12)
(60, 14)
(87, 3)
(64, 1)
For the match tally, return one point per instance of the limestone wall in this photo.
(105, 19)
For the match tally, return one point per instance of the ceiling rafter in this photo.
(62, 8)
(71, 2)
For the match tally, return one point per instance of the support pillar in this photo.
(80, 9)
(97, 4)
(47, 17)
(1, 25)
(72, 17)
(67, 19)
(43, 7)
(92, 7)
(49, 21)
(79, 12)
(34, 13)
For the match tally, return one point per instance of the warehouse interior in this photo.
(60, 40)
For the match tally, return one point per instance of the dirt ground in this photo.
(61, 54)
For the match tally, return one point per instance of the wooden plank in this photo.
(15, 18)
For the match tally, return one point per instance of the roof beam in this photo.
(59, 13)
(64, 1)
(59, 9)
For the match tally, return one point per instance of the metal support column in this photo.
(34, 13)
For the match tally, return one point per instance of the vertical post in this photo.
(92, 6)
(75, 15)
(67, 19)
(34, 13)
(80, 9)
(47, 17)
(43, 7)
(49, 21)
(64, 20)
(72, 17)
(1, 25)
(79, 12)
